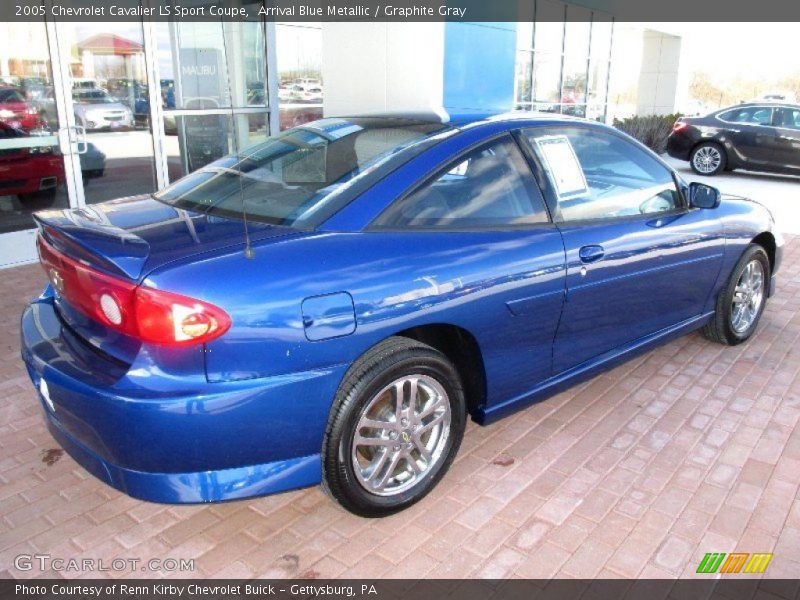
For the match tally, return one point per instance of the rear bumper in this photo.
(679, 146)
(194, 487)
(175, 440)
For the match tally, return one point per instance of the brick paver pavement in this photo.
(692, 448)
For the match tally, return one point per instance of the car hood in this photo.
(135, 235)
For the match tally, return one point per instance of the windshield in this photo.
(296, 178)
(11, 96)
(92, 97)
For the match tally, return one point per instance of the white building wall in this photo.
(659, 73)
(380, 67)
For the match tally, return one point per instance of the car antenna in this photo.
(248, 248)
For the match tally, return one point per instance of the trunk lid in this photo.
(129, 238)
(132, 236)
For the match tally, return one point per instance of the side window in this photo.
(598, 175)
(751, 115)
(788, 118)
(489, 187)
(736, 115)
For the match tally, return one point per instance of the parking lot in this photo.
(690, 449)
(779, 193)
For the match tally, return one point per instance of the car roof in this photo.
(472, 118)
(762, 103)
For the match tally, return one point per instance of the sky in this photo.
(730, 49)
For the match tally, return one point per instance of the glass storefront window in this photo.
(598, 81)
(563, 60)
(32, 174)
(546, 77)
(204, 138)
(524, 76)
(222, 64)
(576, 31)
(549, 28)
(602, 28)
(525, 35)
(596, 112)
(599, 56)
(109, 89)
(214, 90)
(300, 87)
(76, 107)
(573, 80)
(574, 110)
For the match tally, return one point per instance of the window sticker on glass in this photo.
(563, 165)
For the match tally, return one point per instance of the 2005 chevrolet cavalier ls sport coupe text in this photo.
(330, 305)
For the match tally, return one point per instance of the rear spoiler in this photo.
(85, 235)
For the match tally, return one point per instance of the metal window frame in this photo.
(532, 51)
(157, 112)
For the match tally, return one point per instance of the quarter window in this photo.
(597, 175)
(489, 187)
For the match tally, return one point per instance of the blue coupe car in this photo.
(330, 305)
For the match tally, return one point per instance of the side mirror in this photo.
(703, 196)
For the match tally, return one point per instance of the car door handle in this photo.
(589, 254)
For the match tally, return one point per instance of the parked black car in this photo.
(757, 137)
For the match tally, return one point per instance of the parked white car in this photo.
(95, 109)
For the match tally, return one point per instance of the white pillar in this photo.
(658, 76)
(381, 67)
(445, 68)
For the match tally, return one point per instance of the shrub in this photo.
(651, 130)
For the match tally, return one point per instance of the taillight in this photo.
(151, 315)
(167, 318)
(679, 126)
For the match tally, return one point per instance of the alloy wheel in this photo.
(747, 297)
(707, 159)
(401, 435)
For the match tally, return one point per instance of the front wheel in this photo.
(708, 159)
(741, 302)
(395, 427)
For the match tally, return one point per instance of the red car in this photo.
(17, 112)
(28, 171)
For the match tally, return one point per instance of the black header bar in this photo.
(394, 10)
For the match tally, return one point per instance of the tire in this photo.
(391, 473)
(708, 159)
(727, 326)
(38, 200)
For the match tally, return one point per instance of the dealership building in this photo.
(95, 111)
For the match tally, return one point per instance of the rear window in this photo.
(298, 178)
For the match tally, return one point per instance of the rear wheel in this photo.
(395, 427)
(741, 303)
(708, 159)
